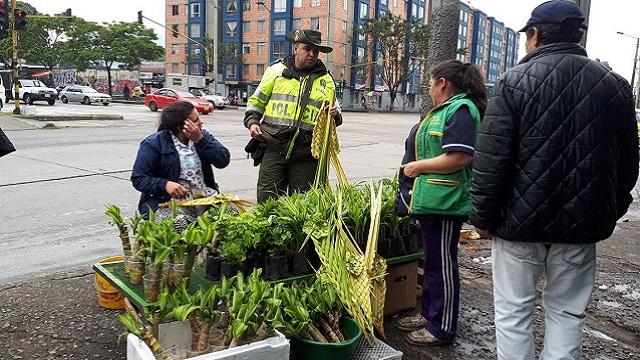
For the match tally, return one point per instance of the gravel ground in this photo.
(58, 317)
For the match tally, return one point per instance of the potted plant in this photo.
(202, 311)
(160, 239)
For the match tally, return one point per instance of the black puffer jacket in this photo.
(557, 154)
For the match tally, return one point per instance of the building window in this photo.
(279, 49)
(383, 2)
(342, 71)
(279, 27)
(245, 69)
(175, 68)
(246, 26)
(261, 7)
(461, 15)
(195, 68)
(414, 10)
(344, 26)
(230, 70)
(175, 10)
(315, 3)
(195, 30)
(246, 48)
(364, 10)
(297, 3)
(344, 49)
(279, 6)
(246, 5)
(360, 53)
(195, 10)
(295, 24)
(231, 28)
(361, 36)
(260, 69)
(232, 9)
(174, 49)
(420, 12)
(174, 30)
(261, 26)
(261, 48)
(186, 48)
(345, 5)
(315, 23)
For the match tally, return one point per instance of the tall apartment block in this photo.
(257, 31)
(486, 42)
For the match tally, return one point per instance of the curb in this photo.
(74, 117)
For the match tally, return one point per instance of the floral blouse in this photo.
(191, 170)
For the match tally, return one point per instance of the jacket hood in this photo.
(555, 48)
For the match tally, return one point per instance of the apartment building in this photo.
(486, 42)
(176, 48)
(256, 31)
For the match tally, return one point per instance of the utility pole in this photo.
(14, 61)
(585, 6)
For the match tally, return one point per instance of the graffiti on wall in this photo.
(64, 78)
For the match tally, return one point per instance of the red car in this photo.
(162, 98)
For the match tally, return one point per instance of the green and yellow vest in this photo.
(437, 193)
(277, 97)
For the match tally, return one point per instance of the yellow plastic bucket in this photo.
(108, 296)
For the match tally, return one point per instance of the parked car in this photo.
(84, 94)
(216, 100)
(162, 98)
(35, 90)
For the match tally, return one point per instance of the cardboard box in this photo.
(401, 280)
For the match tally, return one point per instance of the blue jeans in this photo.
(569, 271)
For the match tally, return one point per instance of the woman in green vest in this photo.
(434, 188)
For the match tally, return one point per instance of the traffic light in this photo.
(20, 18)
(140, 17)
(4, 19)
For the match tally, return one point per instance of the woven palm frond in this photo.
(230, 199)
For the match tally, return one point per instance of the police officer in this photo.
(282, 112)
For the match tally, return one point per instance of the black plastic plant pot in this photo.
(312, 257)
(213, 267)
(397, 247)
(275, 267)
(255, 260)
(229, 269)
(411, 243)
(384, 248)
(299, 264)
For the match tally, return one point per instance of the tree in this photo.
(399, 45)
(111, 43)
(45, 42)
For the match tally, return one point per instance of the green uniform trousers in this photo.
(278, 176)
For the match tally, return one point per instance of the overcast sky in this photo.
(607, 17)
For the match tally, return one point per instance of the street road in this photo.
(55, 187)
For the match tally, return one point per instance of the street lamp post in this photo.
(635, 63)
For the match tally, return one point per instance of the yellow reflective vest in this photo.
(278, 97)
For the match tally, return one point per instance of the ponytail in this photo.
(466, 78)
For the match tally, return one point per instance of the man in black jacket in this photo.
(555, 162)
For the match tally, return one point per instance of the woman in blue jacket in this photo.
(176, 161)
